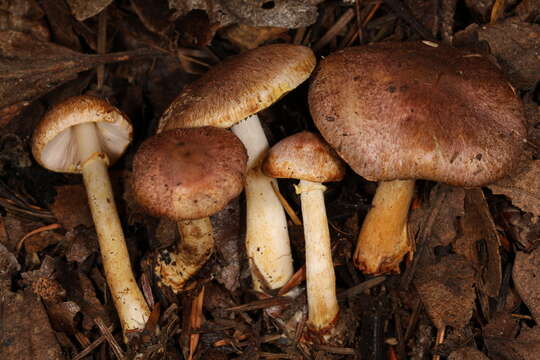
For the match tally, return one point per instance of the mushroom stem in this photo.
(267, 239)
(383, 239)
(128, 299)
(323, 307)
(194, 249)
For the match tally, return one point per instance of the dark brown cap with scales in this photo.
(417, 110)
(240, 86)
(303, 156)
(189, 173)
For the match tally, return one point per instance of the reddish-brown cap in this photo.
(240, 86)
(188, 173)
(303, 156)
(53, 142)
(418, 110)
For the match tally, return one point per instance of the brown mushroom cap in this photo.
(240, 86)
(303, 156)
(189, 173)
(54, 145)
(418, 111)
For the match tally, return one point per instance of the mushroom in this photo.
(228, 93)
(85, 134)
(186, 175)
(305, 156)
(396, 112)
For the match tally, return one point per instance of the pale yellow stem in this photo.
(323, 307)
(196, 245)
(383, 239)
(129, 301)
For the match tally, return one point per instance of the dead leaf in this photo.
(63, 315)
(71, 208)
(467, 353)
(290, 14)
(447, 290)
(248, 37)
(229, 245)
(81, 244)
(84, 9)
(30, 68)
(527, 344)
(25, 331)
(526, 275)
(516, 46)
(522, 188)
(62, 23)
(479, 242)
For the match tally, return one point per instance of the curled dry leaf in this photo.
(527, 344)
(479, 242)
(515, 45)
(523, 187)
(30, 68)
(280, 13)
(447, 290)
(526, 273)
(84, 9)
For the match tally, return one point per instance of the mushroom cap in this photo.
(303, 156)
(418, 110)
(188, 173)
(54, 144)
(240, 86)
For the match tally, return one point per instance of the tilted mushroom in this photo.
(229, 95)
(396, 112)
(85, 135)
(187, 175)
(305, 156)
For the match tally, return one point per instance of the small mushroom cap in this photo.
(240, 86)
(54, 145)
(303, 156)
(189, 173)
(415, 110)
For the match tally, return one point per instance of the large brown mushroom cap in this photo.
(418, 111)
(303, 156)
(54, 144)
(240, 86)
(189, 173)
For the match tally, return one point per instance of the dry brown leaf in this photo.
(25, 331)
(228, 245)
(84, 9)
(527, 344)
(522, 188)
(70, 207)
(526, 275)
(528, 10)
(280, 13)
(447, 290)
(30, 68)
(467, 353)
(249, 37)
(515, 44)
(479, 242)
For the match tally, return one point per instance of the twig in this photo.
(363, 286)
(101, 47)
(288, 209)
(196, 319)
(334, 29)
(36, 231)
(117, 350)
(262, 304)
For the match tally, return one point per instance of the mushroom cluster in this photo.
(230, 95)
